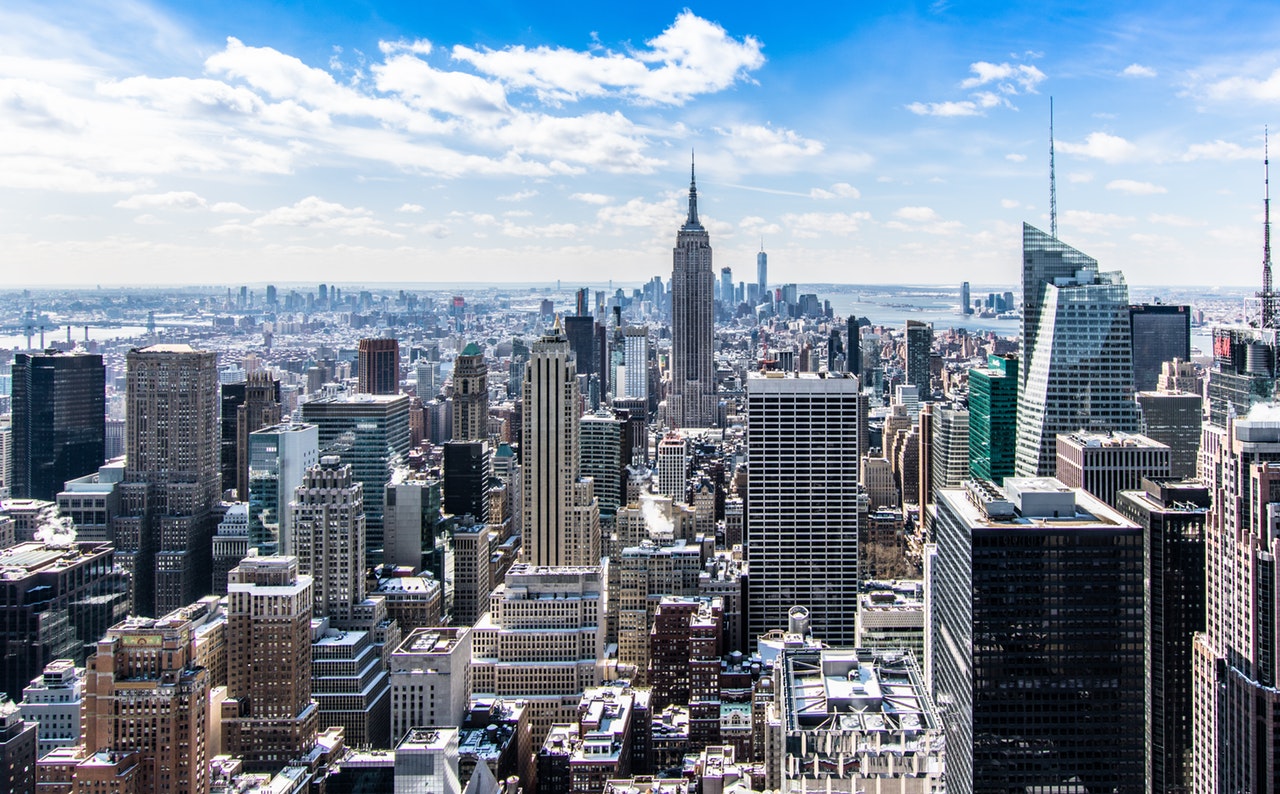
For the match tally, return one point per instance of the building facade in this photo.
(59, 421)
(692, 399)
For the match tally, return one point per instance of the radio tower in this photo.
(1053, 181)
(1267, 295)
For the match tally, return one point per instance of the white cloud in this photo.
(1138, 70)
(1095, 221)
(173, 200)
(838, 190)
(815, 224)
(945, 109)
(414, 208)
(1243, 87)
(1009, 78)
(1102, 146)
(693, 56)
(519, 195)
(590, 198)
(638, 212)
(1014, 157)
(1079, 177)
(1174, 220)
(921, 214)
(755, 226)
(1135, 188)
(229, 208)
(1010, 204)
(550, 231)
(1221, 150)
(315, 213)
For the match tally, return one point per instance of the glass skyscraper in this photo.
(993, 418)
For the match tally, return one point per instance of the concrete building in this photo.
(52, 701)
(58, 423)
(268, 716)
(891, 616)
(802, 510)
(542, 641)
(93, 501)
(351, 685)
(1104, 464)
(1077, 361)
(673, 466)
(379, 366)
(470, 395)
(685, 646)
(949, 450)
(328, 538)
(17, 750)
(230, 543)
(430, 679)
(645, 573)
(1036, 599)
(636, 383)
(473, 571)
(427, 762)
(496, 734)
(855, 721)
(692, 399)
(260, 408)
(413, 522)
(600, 442)
(279, 456)
(172, 480)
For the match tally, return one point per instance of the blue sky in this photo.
(245, 142)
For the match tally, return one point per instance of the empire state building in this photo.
(692, 399)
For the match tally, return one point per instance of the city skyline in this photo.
(260, 144)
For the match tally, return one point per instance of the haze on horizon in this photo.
(161, 142)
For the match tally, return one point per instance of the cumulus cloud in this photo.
(916, 214)
(1079, 177)
(1009, 78)
(640, 213)
(1138, 70)
(1221, 150)
(816, 224)
(1135, 188)
(519, 195)
(693, 56)
(413, 208)
(1102, 146)
(1244, 87)
(838, 190)
(1174, 220)
(173, 200)
(1014, 157)
(1000, 81)
(1010, 204)
(314, 213)
(766, 144)
(945, 109)
(590, 198)
(1095, 221)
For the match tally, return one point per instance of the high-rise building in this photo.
(1173, 419)
(692, 399)
(1236, 702)
(1172, 516)
(852, 346)
(414, 522)
(1159, 333)
(673, 466)
(146, 694)
(430, 679)
(522, 649)
(261, 408)
(370, 432)
(949, 450)
(919, 351)
(726, 287)
(230, 543)
(279, 457)
(268, 717)
(427, 761)
(1077, 365)
(580, 330)
(59, 420)
(59, 597)
(466, 473)
(379, 370)
(1036, 638)
(17, 750)
(328, 537)
(172, 479)
(549, 459)
(993, 418)
(762, 274)
(470, 395)
(966, 303)
(600, 442)
(636, 383)
(52, 700)
(1104, 464)
(802, 504)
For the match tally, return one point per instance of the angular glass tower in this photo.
(1077, 361)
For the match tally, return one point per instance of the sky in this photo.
(374, 142)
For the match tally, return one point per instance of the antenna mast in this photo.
(1053, 181)
(1268, 295)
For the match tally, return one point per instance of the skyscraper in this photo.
(328, 538)
(636, 384)
(268, 718)
(762, 273)
(279, 457)
(802, 505)
(692, 399)
(919, 350)
(1077, 365)
(1036, 639)
(172, 479)
(993, 418)
(549, 454)
(1159, 333)
(966, 303)
(258, 407)
(470, 395)
(59, 421)
(379, 366)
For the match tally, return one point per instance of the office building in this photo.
(918, 352)
(52, 701)
(145, 694)
(673, 466)
(684, 662)
(496, 734)
(1104, 464)
(328, 538)
(470, 395)
(351, 684)
(59, 421)
(379, 366)
(164, 532)
(17, 750)
(473, 570)
(580, 331)
(891, 616)
(1036, 629)
(692, 398)
(279, 457)
(58, 597)
(1077, 362)
(802, 508)
(521, 649)
(430, 679)
(1159, 333)
(553, 535)
(966, 303)
(635, 386)
(230, 543)
(268, 716)
(949, 451)
(427, 762)
(1174, 419)
(93, 501)
(1172, 515)
(1235, 700)
(261, 409)
(414, 523)
(600, 442)
(370, 432)
(466, 472)
(853, 721)
(762, 274)
(852, 346)
(993, 418)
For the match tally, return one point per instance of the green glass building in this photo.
(993, 418)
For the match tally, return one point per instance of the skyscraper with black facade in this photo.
(59, 421)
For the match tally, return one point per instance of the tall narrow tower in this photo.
(692, 400)
(1270, 300)
(471, 395)
(762, 272)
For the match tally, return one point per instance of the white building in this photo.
(430, 679)
(53, 701)
(427, 762)
(279, 457)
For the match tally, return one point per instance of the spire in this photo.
(692, 220)
(1268, 295)
(1053, 181)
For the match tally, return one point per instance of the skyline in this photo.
(253, 143)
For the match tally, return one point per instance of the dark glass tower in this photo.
(59, 421)
(993, 418)
(1159, 333)
(919, 348)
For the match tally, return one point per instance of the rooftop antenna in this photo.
(1053, 181)
(1268, 295)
